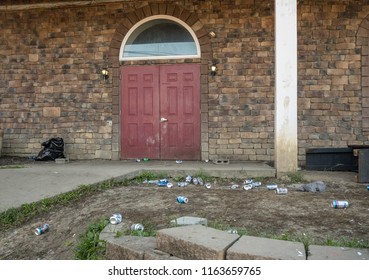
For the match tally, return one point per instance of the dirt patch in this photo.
(258, 211)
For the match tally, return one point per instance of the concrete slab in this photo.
(187, 220)
(337, 253)
(258, 248)
(195, 242)
(41, 180)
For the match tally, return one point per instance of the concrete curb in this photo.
(198, 242)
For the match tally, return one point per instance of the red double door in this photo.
(160, 112)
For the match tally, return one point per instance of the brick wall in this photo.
(51, 83)
(329, 74)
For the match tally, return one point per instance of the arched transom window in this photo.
(159, 38)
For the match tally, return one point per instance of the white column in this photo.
(285, 99)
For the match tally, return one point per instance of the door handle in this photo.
(163, 119)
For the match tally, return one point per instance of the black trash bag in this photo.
(53, 149)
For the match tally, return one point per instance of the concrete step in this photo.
(337, 253)
(130, 247)
(257, 248)
(199, 242)
(195, 242)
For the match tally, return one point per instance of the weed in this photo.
(296, 177)
(11, 166)
(119, 234)
(344, 242)
(90, 247)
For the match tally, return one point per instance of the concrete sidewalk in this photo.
(40, 180)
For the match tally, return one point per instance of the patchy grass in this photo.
(17, 216)
(90, 247)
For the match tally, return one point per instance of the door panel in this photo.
(140, 112)
(180, 105)
(161, 112)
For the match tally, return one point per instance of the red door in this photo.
(161, 112)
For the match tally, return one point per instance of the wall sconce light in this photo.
(212, 34)
(105, 73)
(213, 70)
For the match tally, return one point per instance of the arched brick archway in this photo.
(362, 40)
(205, 61)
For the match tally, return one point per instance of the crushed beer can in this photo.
(151, 181)
(208, 185)
(200, 181)
(188, 179)
(249, 181)
(272, 186)
(116, 219)
(162, 182)
(256, 184)
(195, 181)
(232, 231)
(182, 199)
(281, 191)
(235, 186)
(42, 229)
(139, 227)
(182, 184)
(169, 185)
(339, 204)
(247, 187)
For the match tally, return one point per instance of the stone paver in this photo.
(257, 248)
(337, 253)
(188, 220)
(195, 242)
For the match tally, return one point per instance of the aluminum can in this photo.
(169, 185)
(367, 188)
(200, 181)
(247, 187)
(151, 181)
(188, 179)
(281, 191)
(208, 185)
(182, 199)
(162, 182)
(182, 184)
(232, 231)
(195, 181)
(339, 204)
(41, 230)
(256, 184)
(116, 219)
(233, 187)
(139, 227)
(272, 187)
(249, 181)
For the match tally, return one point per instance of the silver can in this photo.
(42, 229)
(182, 199)
(281, 191)
(272, 186)
(169, 185)
(116, 219)
(247, 187)
(208, 185)
(188, 179)
(182, 184)
(339, 204)
(139, 227)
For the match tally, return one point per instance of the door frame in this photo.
(192, 20)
